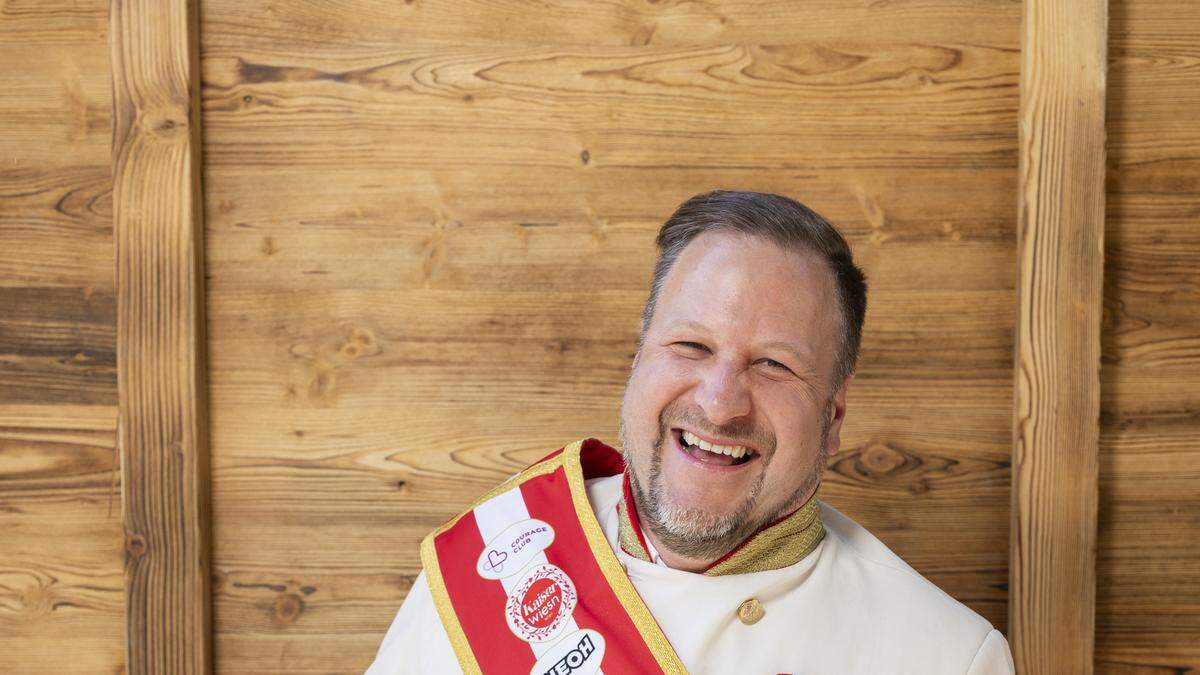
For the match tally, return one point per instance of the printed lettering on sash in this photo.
(580, 653)
(514, 548)
(540, 604)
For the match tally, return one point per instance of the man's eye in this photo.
(693, 346)
(775, 365)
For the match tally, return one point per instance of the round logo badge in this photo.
(540, 604)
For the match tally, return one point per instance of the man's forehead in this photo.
(751, 270)
(756, 253)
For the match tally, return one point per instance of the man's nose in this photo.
(723, 395)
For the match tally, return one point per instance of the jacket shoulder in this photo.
(908, 606)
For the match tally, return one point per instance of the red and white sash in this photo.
(525, 581)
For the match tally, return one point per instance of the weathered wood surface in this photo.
(60, 502)
(1060, 260)
(60, 543)
(160, 339)
(430, 229)
(431, 243)
(1148, 578)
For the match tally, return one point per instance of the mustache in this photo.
(744, 432)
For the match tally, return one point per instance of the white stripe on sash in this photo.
(492, 517)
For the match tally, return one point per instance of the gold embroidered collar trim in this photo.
(784, 542)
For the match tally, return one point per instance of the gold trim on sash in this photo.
(441, 599)
(611, 567)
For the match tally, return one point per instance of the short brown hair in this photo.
(783, 221)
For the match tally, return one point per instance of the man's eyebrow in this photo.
(690, 325)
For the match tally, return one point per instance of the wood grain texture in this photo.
(1148, 581)
(60, 543)
(331, 28)
(60, 505)
(57, 302)
(430, 230)
(157, 218)
(1060, 259)
(649, 107)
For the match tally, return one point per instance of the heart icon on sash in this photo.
(510, 550)
(496, 560)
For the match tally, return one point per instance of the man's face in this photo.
(740, 352)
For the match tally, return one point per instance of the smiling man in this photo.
(701, 545)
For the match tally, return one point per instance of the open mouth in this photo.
(712, 454)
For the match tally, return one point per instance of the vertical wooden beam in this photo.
(160, 337)
(1052, 591)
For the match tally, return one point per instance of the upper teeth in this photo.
(734, 451)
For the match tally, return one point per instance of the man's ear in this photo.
(837, 415)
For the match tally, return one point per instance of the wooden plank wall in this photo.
(60, 505)
(1148, 575)
(429, 233)
(160, 334)
(1057, 386)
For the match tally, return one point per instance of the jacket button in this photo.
(750, 611)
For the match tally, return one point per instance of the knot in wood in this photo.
(135, 545)
(287, 608)
(359, 342)
(36, 600)
(166, 124)
(879, 459)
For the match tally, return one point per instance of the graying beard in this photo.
(728, 531)
(693, 533)
(690, 532)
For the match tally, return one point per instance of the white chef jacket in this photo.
(850, 606)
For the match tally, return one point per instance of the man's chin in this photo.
(698, 530)
(707, 505)
(703, 516)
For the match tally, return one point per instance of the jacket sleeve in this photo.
(993, 657)
(416, 642)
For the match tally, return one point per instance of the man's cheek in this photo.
(662, 383)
